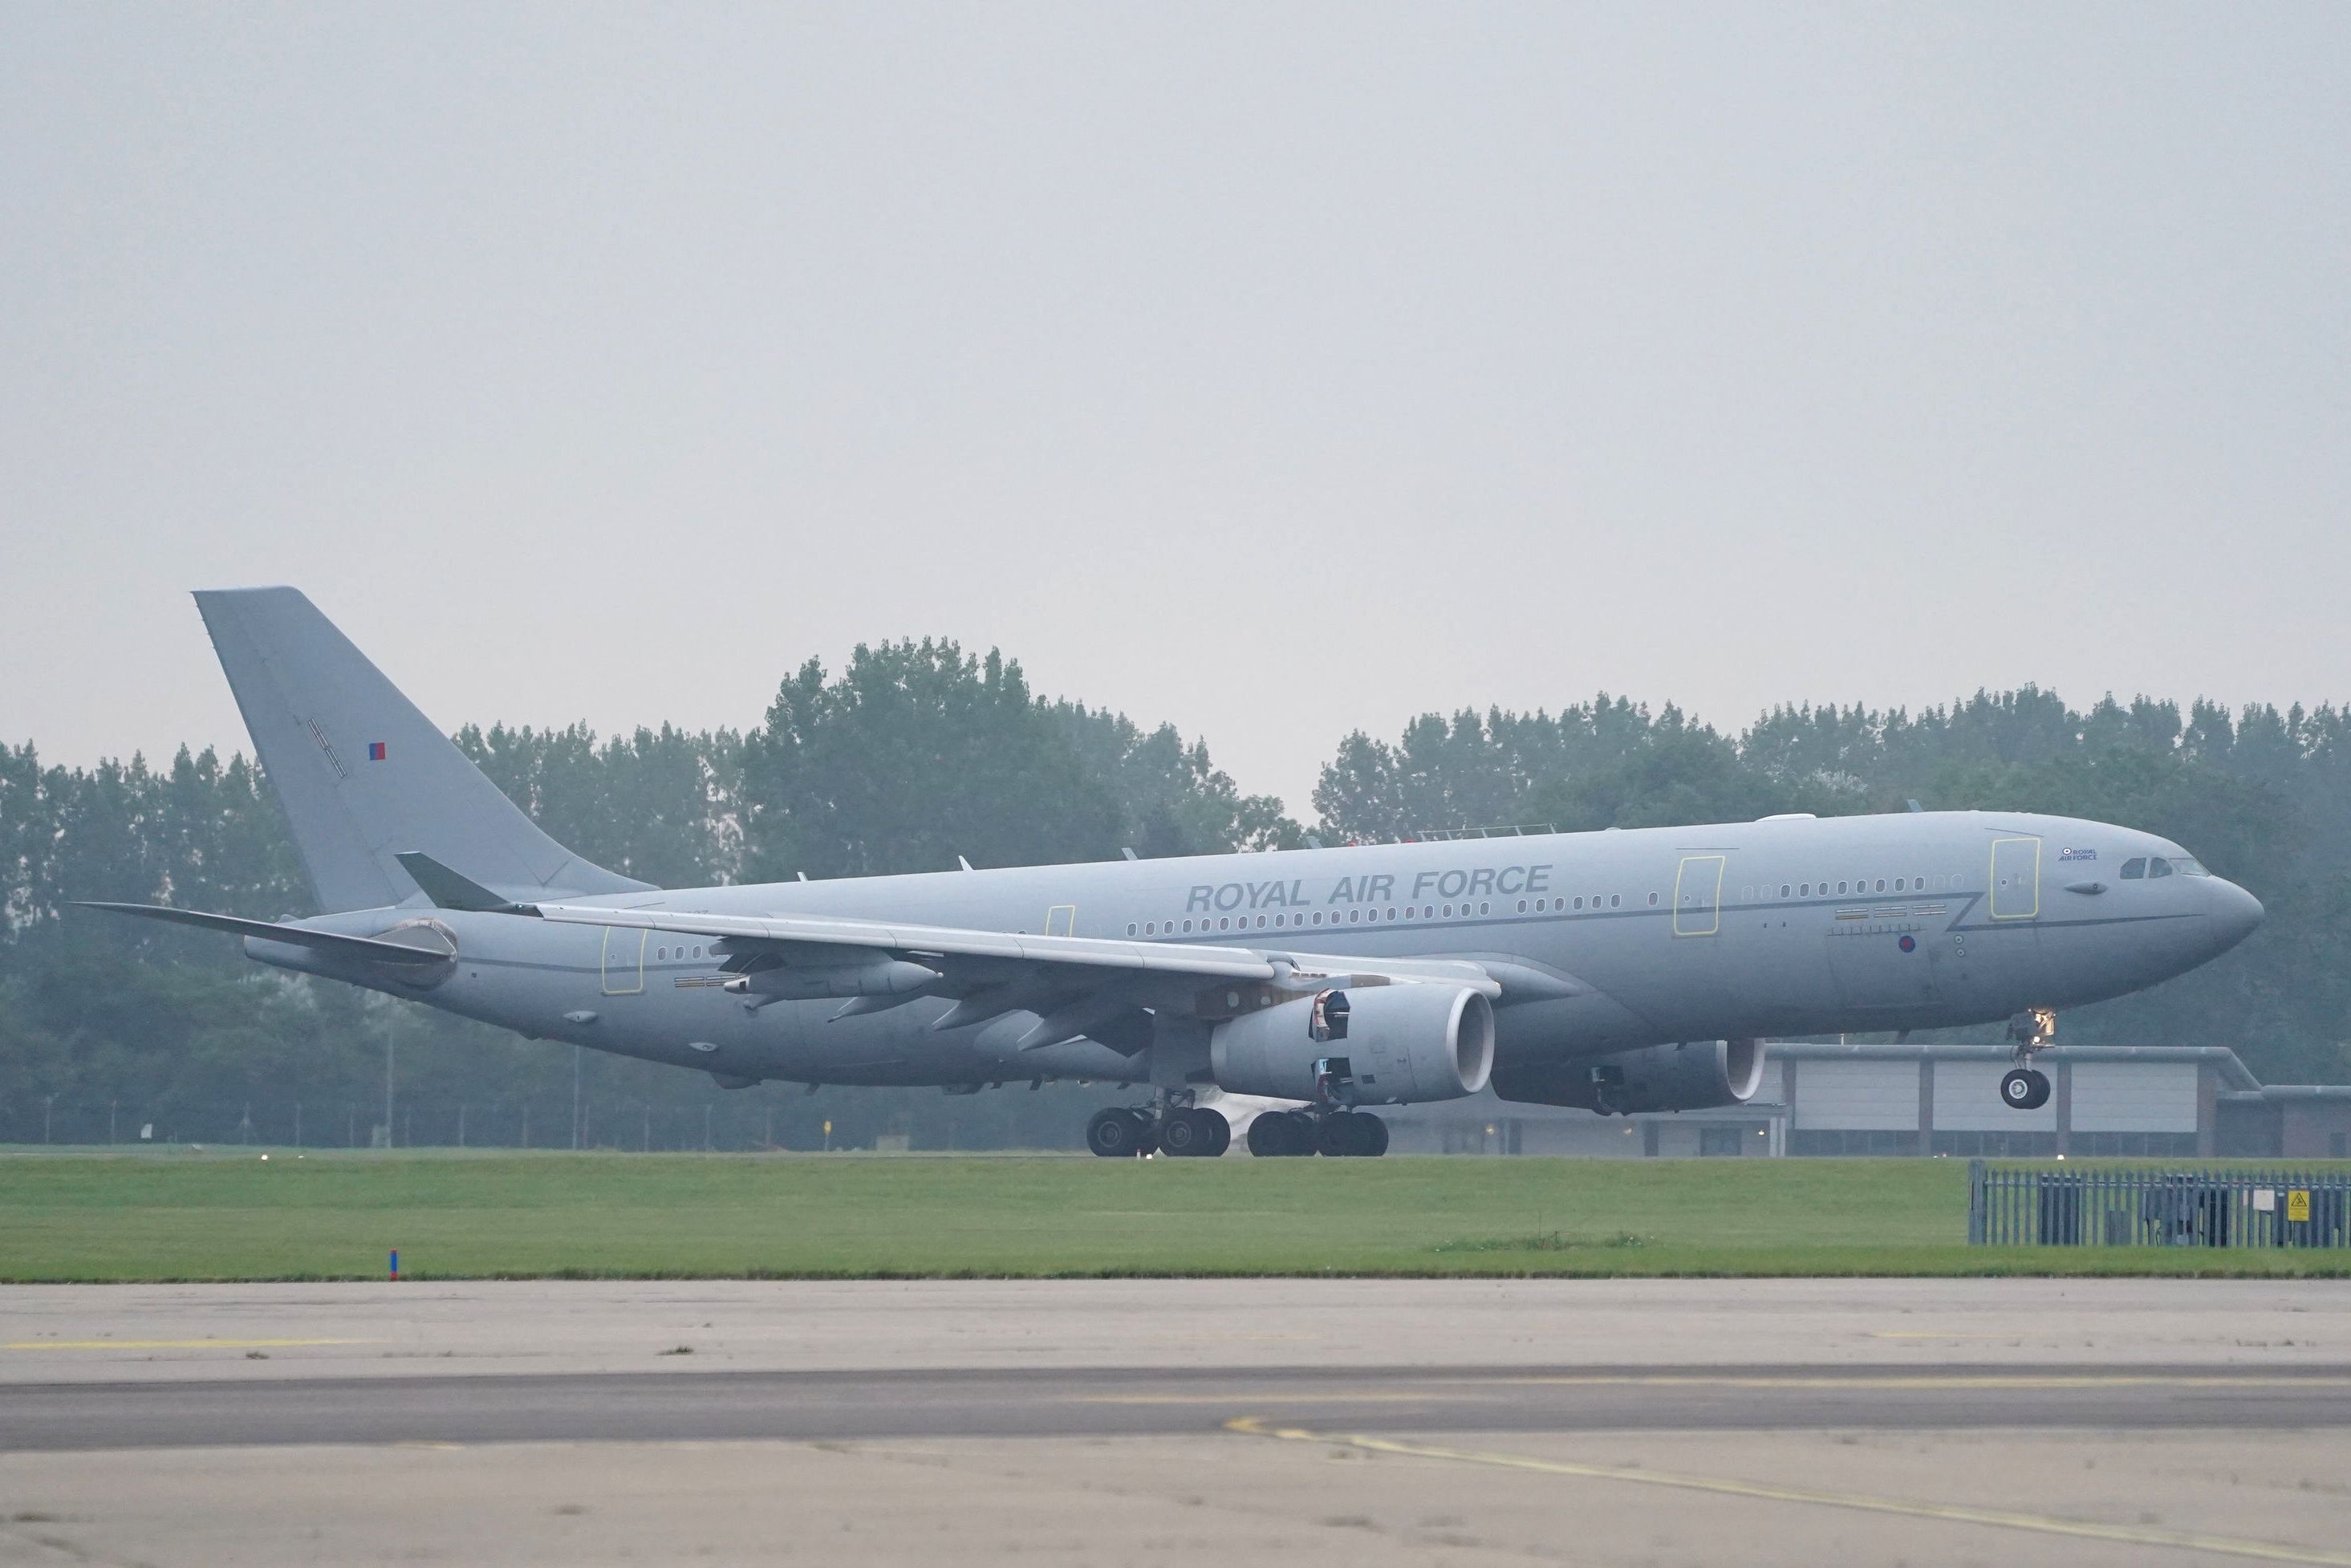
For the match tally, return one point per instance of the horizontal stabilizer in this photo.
(365, 948)
(449, 890)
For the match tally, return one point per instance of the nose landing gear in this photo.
(2025, 1087)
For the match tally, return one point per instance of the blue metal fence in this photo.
(2033, 1206)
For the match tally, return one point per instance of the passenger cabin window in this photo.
(2135, 869)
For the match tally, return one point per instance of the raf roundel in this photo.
(1910, 943)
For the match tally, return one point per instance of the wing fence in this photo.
(2250, 1207)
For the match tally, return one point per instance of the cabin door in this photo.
(1698, 895)
(624, 960)
(2015, 879)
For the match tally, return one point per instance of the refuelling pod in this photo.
(1388, 1045)
(1693, 1076)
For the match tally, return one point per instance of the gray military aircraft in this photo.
(1624, 970)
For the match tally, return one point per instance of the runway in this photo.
(1144, 1401)
(1312, 1421)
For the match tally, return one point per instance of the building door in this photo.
(2015, 879)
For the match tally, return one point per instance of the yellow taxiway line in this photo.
(1952, 1513)
(1444, 1387)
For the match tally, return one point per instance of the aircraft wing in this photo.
(1077, 985)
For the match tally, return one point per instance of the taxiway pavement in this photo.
(1148, 1421)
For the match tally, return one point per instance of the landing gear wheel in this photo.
(1194, 1133)
(1220, 1132)
(1351, 1132)
(1379, 1143)
(1280, 1133)
(1119, 1134)
(2024, 1088)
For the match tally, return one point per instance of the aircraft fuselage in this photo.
(1606, 941)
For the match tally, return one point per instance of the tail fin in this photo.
(361, 775)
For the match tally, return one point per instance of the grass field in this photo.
(180, 1215)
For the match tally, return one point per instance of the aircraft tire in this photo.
(1193, 1135)
(1221, 1133)
(2041, 1090)
(1116, 1133)
(1339, 1136)
(1353, 1135)
(2016, 1088)
(1275, 1134)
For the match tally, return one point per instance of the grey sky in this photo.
(1273, 370)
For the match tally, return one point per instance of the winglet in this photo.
(448, 890)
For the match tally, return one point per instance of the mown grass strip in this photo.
(173, 1217)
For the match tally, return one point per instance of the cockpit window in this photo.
(2157, 866)
(2188, 866)
(2132, 870)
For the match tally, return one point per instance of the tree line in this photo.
(916, 752)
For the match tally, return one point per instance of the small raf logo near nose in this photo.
(2078, 854)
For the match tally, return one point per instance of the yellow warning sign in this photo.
(2297, 1205)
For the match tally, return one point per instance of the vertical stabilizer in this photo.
(363, 777)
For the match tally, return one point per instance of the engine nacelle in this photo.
(1384, 1045)
(1692, 1076)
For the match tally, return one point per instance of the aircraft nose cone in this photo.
(2236, 913)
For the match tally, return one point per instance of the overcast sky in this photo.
(1277, 370)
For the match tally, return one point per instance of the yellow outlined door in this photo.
(624, 960)
(1062, 920)
(2015, 879)
(1698, 895)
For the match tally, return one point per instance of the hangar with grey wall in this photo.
(2155, 1100)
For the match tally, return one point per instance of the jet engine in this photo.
(1691, 1076)
(1370, 1045)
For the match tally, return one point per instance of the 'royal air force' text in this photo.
(1507, 882)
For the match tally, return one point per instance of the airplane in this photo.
(1622, 970)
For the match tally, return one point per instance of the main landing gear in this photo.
(1124, 1132)
(1338, 1134)
(2025, 1087)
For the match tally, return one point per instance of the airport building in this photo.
(2159, 1101)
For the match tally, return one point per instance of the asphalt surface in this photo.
(1323, 1423)
(644, 1406)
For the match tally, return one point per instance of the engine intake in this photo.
(1692, 1076)
(1372, 1045)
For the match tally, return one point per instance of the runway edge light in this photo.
(395, 1262)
